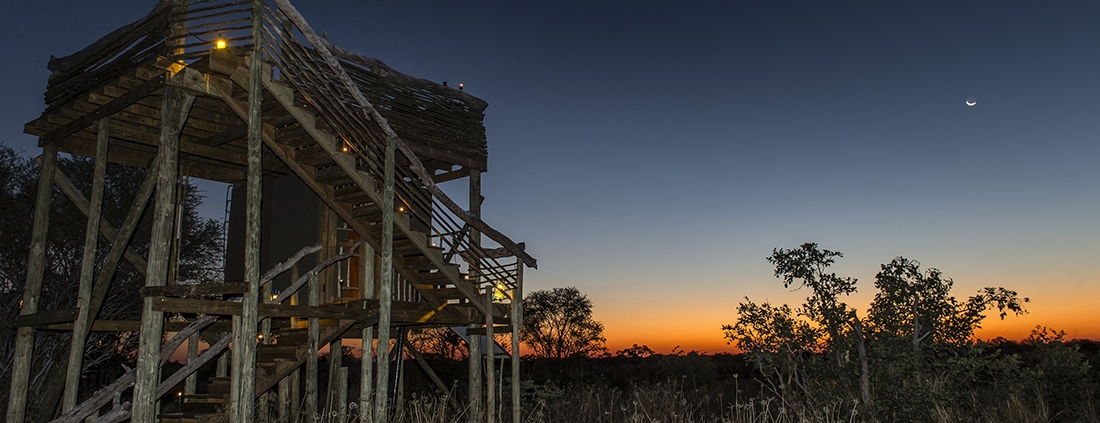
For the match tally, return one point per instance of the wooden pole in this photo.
(311, 356)
(342, 394)
(174, 110)
(246, 396)
(517, 324)
(490, 368)
(386, 292)
(366, 367)
(24, 341)
(87, 270)
(474, 341)
(192, 354)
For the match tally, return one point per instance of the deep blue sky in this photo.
(653, 154)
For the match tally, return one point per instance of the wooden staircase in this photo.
(274, 361)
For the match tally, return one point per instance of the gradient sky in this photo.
(653, 154)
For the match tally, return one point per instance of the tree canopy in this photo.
(558, 323)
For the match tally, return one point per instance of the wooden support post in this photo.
(24, 341)
(283, 407)
(311, 356)
(386, 292)
(517, 324)
(474, 344)
(366, 366)
(341, 394)
(87, 270)
(335, 363)
(490, 368)
(192, 354)
(294, 383)
(234, 371)
(174, 110)
(246, 372)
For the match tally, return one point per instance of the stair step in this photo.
(353, 195)
(292, 336)
(436, 278)
(204, 399)
(294, 136)
(188, 417)
(277, 352)
(218, 385)
(313, 155)
(332, 175)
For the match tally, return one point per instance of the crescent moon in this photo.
(971, 101)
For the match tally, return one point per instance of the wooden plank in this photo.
(24, 341)
(43, 318)
(182, 290)
(452, 175)
(106, 110)
(232, 308)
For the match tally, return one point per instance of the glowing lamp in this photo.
(220, 44)
(401, 209)
(498, 292)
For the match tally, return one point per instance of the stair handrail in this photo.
(370, 113)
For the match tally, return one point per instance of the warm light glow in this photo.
(274, 297)
(401, 209)
(498, 292)
(344, 148)
(220, 44)
(179, 394)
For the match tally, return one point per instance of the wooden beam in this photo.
(105, 228)
(452, 175)
(24, 341)
(232, 308)
(87, 271)
(517, 324)
(385, 294)
(47, 317)
(182, 290)
(366, 366)
(174, 110)
(106, 110)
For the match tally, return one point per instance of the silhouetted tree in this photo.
(558, 323)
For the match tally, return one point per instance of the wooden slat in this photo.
(106, 110)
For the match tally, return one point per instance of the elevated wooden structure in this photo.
(245, 92)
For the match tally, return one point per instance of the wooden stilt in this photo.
(474, 345)
(517, 324)
(192, 354)
(283, 407)
(24, 341)
(311, 355)
(366, 365)
(341, 394)
(386, 292)
(490, 368)
(249, 305)
(174, 111)
(87, 269)
(335, 363)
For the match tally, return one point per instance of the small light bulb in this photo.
(401, 209)
(220, 44)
